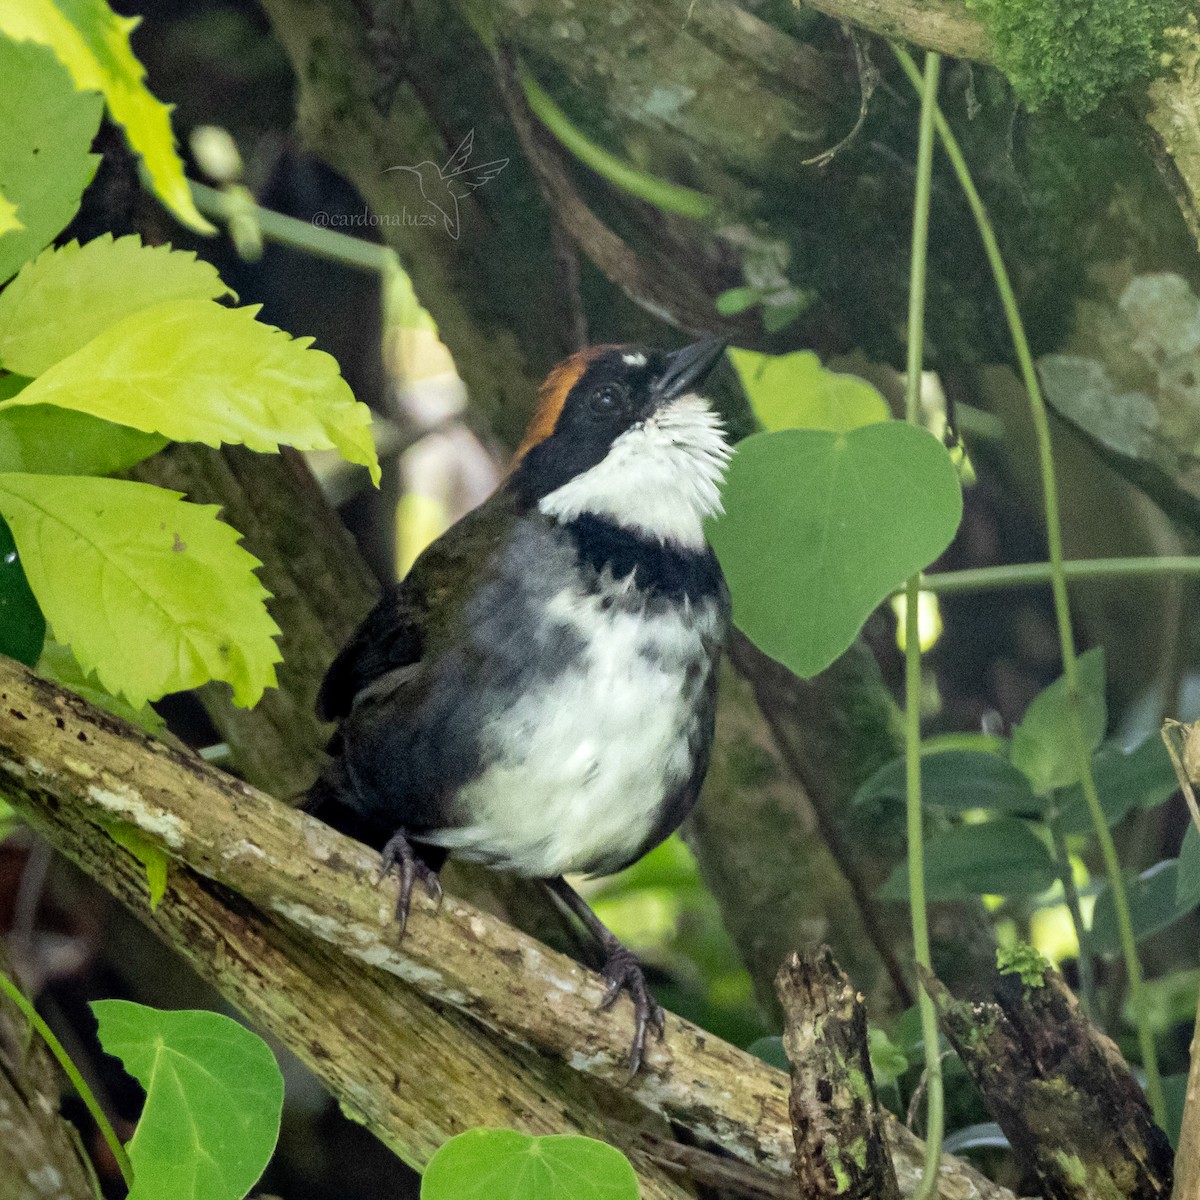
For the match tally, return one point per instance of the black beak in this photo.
(687, 368)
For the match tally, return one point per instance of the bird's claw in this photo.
(399, 856)
(624, 974)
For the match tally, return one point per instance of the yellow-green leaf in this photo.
(147, 851)
(60, 666)
(92, 42)
(68, 295)
(46, 132)
(793, 391)
(152, 594)
(196, 371)
(9, 221)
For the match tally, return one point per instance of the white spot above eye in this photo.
(634, 360)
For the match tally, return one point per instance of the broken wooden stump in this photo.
(841, 1150)
(1058, 1087)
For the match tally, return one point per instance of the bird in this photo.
(444, 186)
(538, 693)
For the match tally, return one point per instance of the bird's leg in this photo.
(622, 971)
(399, 856)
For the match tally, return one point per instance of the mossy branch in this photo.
(464, 1021)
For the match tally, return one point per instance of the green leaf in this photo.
(60, 666)
(820, 527)
(147, 851)
(770, 1050)
(42, 439)
(1002, 857)
(1152, 906)
(214, 1095)
(793, 391)
(92, 42)
(195, 371)
(1043, 743)
(45, 139)
(68, 295)
(1141, 778)
(22, 626)
(888, 1061)
(737, 300)
(958, 781)
(153, 594)
(502, 1164)
(1187, 883)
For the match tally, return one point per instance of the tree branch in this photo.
(322, 954)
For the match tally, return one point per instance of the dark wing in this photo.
(390, 637)
(415, 613)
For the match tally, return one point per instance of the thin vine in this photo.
(912, 646)
(1058, 583)
(14, 993)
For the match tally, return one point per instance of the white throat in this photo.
(659, 479)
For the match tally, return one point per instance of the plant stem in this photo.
(14, 993)
(300, 235)
(1062, 858)
(912, 644)
(1062, 608)
(1014, 575)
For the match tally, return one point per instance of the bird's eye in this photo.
(608, 399)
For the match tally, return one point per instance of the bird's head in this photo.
(621, 433)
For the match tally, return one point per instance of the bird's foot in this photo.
(399, 856)
(624, 974)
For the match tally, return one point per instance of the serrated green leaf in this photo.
(147, 851)
(1043, 744)
(1002, 857)
(45, 142)
(69, 294)
(153, 594)
(1138, 778)
(195, 371)
(9, 221)
(1187, 883)
(92, 42)
(820, 527)
(22, 626)
(1153, 906)
(794, 391)
(60, 666)
(214, 1096)
(957, 781)
(502, 1164)
(42, 439)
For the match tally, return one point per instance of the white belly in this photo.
(582, 765)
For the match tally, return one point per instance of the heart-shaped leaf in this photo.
(214, 1095)
(958, 781)
(1043, 745)
(819, 527)
(502, 1164)
(1002, 857)
(1155, 902)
